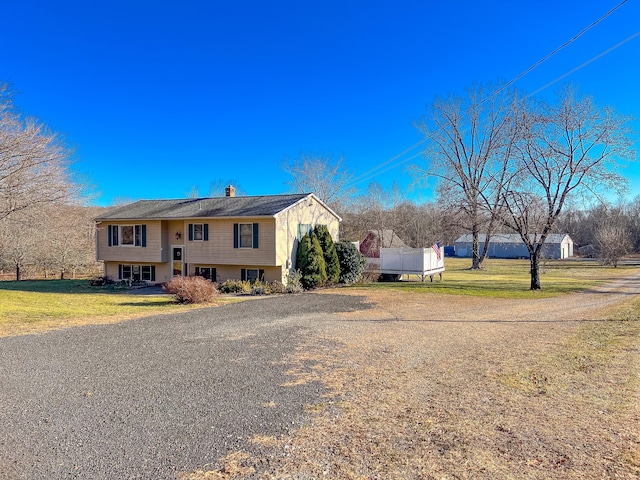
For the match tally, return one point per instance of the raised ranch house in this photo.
(240, 238)
(502, 245)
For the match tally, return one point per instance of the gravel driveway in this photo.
(153, 397)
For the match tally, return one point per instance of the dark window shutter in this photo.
(153, 273)
(261, 275)
(109, 230)
(206, 232)
(243, 274)
(191, 232)
(214, 275)
(144, 235)
(235, 235)
(120, 272)
(255, 235)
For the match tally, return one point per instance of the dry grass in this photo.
(39, 306)
(495, 390)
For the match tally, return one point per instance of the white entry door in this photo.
(177, 261)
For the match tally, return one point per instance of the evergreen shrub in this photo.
(332, 263)
(310, 262)
(352, 262)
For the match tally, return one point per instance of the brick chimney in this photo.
(230, 191)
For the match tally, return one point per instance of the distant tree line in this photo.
(44, 230)
(602, 230)
(497, 160)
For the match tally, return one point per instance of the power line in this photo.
(372, 173)
(548, 56)
(360, 178)
(579, 67)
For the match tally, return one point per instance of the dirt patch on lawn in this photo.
(437, 386)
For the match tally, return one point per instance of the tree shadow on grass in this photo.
(75, 287)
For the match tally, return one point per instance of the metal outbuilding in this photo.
(504, 245)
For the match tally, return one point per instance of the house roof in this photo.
(388, 238)
(510, 238)
(245, 206)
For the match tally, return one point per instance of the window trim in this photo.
(240, 225)
(139, 235)
(204, 232)
(131, 267)
(308, 231)
(244, 274)
(196, 227)
(212, 272)
(255, 234)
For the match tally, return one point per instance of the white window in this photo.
(137, 272)
(207, 272)
(147, 273)
(126, 272)
(252, 274)
(198, 231)
(127, 235)
(246, 235)
(303, 229)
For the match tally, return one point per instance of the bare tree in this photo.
(322, 175)
(612, 242)
(67, 239)
(18, 242)
(565, 147)
(632, 211)
(33, 162)
(469, 151)
(217, 187)
(193, 192)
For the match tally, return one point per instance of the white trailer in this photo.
(424, 262)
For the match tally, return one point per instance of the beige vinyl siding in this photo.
(152, 253)
(219, 248)
(170, 228)
(308, 211)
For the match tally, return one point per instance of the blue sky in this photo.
(157, 97)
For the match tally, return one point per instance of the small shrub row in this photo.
(191, 289)
(109, 283)
(235, 286)
(248, 288)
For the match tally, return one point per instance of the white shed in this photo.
(503, 245)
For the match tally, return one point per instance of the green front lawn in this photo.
(511, 279)
(43, 304)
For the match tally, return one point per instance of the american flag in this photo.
(436, 248)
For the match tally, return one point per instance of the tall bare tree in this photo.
(323, 175)
(217, 187)
(19, 235)
(34, 163)
(565, 147)
(469, 148)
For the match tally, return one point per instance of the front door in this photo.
(177, 262)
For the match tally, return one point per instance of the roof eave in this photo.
(303, 199)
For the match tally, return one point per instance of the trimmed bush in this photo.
(235, 286)
(352, 262)
(276, 287)
(191, 289)
(332, 263)
(310, 262)
(101, 281)
(294, 282)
